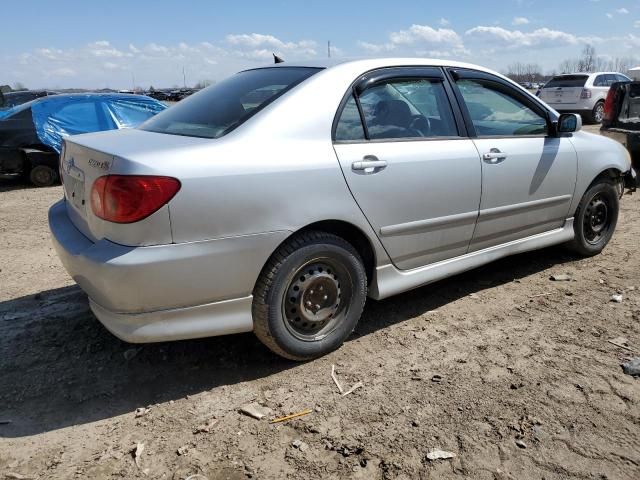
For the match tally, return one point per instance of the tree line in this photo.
(588, 61)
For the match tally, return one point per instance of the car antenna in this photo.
(277, 59)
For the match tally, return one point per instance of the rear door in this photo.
(528, 176)
(601, 85)
(413, 173)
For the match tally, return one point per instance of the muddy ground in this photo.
(505, 368)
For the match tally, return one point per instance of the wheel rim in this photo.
(42, 176)
(597, 219)
(599, 115)
(316, 299)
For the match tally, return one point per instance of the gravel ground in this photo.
(508, 370)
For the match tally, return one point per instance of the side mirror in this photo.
(569, 123)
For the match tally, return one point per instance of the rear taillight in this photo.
(586, 93)
(608, 106)
(131, 198)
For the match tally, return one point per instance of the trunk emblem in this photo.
(68, 165)
(101, 165)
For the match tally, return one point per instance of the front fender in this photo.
(596, 155)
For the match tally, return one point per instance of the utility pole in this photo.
(133, 82)
(329, 48)
(184, 77)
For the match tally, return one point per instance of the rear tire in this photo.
(43, 176)
(597, 114)
(310, 296)
(595, 219)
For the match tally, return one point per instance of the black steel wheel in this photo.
(596, 218)
(310, 296)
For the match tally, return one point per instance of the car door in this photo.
(528, 175)
(413, 173)
(601, 86)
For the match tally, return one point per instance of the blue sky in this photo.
(115, 43)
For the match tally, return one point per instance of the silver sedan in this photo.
(277, 200)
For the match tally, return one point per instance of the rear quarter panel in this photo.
(278, 171)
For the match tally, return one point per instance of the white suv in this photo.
(582, 93)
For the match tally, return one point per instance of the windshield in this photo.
(215, 111)
(567, 81)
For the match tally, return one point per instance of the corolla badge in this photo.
(98, 164)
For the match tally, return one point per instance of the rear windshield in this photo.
(567, 81)
(217, 110)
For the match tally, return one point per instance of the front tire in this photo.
(310, 296)
(596, 218)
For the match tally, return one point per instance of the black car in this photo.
(31, 135)
(13, 99)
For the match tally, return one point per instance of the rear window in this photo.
(215, 111)
(567, 81)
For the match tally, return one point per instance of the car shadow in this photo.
(9, 184)
(60, 367)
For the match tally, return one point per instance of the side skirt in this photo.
(390, 281)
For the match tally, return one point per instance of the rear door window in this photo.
(600, 81)
(216, 110)
(349, 127)
(414, 108)
(567, 81)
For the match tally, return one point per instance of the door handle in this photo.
(494, 156)
(369, 164)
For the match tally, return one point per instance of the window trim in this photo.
(524, 97)
(379, 75)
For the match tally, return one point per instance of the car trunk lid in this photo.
(85, 158)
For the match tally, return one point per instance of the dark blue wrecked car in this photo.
(31, 134)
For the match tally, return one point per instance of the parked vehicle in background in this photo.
(31, 134)
(622, 120)
(9, 100)
(238, 210)
(160, 95)
(582, 93)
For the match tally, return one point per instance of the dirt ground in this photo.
(505, 368)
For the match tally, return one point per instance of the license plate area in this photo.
(74, 188)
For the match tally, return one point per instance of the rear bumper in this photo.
(165, 292)
(210, 320)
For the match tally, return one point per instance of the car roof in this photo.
(373, 63)
(588, 74)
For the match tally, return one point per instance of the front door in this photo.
(414, 176)
(528, 176)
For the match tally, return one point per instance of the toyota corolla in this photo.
(279, 199)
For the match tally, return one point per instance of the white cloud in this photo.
(636, 24)
(520, 21)
(102, 64)
(444, 22)
(619, 11)
(259, 46)
(514, 39)
(420, 40)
